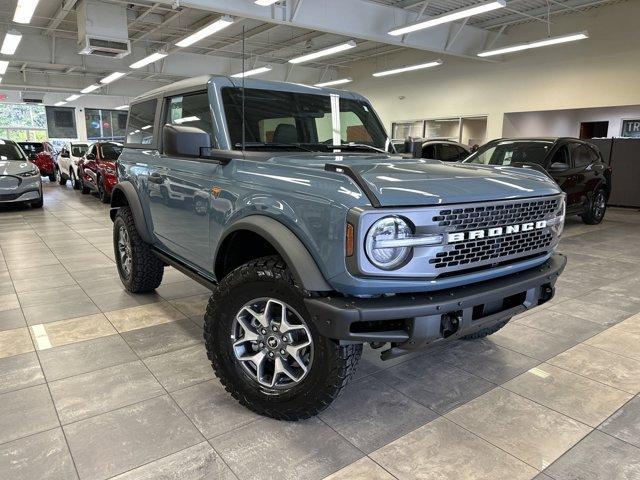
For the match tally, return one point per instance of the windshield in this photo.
(110, 151)
(78, 150)
(274, 118)
(32, 148)
(511, 152)
(10, 151)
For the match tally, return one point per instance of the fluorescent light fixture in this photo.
(265, 3)
(182, 120)
(408, 69)
(0, 79)
(4, 64)
(59, 104)
(255, 71)
(154, 57)
(123, 107)
(90, 88)
(222, 22)
(24, 11)
(536, 44)
(325, 52)
(448, 17)
(146, 127)
(11, 42)
(73, 97)
(331, 83)
(113, 77)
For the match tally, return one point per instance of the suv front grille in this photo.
(471, 251)
(471, 218)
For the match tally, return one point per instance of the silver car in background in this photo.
(20, 180)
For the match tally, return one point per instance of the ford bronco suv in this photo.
(314, 240)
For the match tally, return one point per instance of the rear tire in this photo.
(328, 365)
(485, 332)
(83, 188)
(139, 269)
(596, 209)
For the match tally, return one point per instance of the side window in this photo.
(593, 155)
(561, 156)
(191, 110)
(462, 153)
(448, 153)
(580, 156)
(140, 129)
(429, 151)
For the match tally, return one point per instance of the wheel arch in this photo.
(267, 236)
(124, 195)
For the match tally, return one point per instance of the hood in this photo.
(396, 181)
(14, 167)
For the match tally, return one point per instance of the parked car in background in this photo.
(41, 154)
(68, 163)
(574, 164)
(20, 180)
(97, 169)
(434, 149)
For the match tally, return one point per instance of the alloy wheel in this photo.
(124, 250)
(599, 205)
(272, 343)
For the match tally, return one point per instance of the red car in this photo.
(97, 169)
(42, 154)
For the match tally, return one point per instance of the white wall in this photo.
(566, 123)
(603, 70)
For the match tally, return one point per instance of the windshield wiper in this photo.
(356, 146)
(274, 145)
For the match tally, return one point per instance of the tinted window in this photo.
(508, 153)
(110, 151)
(191, 110)
(141, 123)
(561, 156)
(10, 151)
(429, 151)
(78, 150)
(581, 155)
(32, 148)
(450, 153)
(298, 118)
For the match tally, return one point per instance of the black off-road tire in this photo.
(485, 332)
(146, 268)
(590, 217)
(332, 367)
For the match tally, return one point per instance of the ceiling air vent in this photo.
(102, 29)
(105, 48)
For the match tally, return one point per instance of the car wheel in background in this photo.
(53, 177)
(75, 183)
(266, 350)
(85, 190)
(60, 177)
(139, 268)
(596, 209)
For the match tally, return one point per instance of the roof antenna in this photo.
(243, 124)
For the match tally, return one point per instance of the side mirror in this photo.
(90, 156)
(558, 167)
(64, 154)
(184, 141)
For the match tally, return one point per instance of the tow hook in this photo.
(450, 323)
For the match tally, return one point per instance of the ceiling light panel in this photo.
(154, 57)
(24, 11)
(324, 52)
(535, 44)
(448, 17)
(11, 41)
(332, 83)
(410, 68)
(90, 88)
(113, 77)
(221, 23)
(255, 71)
(73, 97)
(4, 64)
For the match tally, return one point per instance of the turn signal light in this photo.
(349, 241)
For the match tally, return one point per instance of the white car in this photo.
(68, 163)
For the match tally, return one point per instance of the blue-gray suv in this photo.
(314, 240)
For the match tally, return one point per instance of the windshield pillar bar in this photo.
(335, 119)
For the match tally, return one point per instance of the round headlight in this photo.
(385, 229)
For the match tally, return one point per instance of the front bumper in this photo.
(412, 321)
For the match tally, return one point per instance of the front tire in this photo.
(52, 177)
(62, 181)
(139, 269)
(597, 208)
(102, 191)
(83, 188)
(75, 183)
(258, 312)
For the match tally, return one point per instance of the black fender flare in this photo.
(288, 245)
(124, 193)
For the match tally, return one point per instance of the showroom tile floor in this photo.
(97, 383)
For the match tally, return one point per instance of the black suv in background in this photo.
(434, 149)
(576, 166)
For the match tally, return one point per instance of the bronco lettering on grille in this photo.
(495, 231)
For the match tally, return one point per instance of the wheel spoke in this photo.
(260, 317)
(294, 351)
(249, 333)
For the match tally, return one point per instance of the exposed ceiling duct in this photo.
(102, 29)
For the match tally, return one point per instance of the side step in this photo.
(178, 265)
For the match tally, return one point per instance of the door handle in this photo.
(155, 178)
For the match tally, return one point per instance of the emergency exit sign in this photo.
(630, 128)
